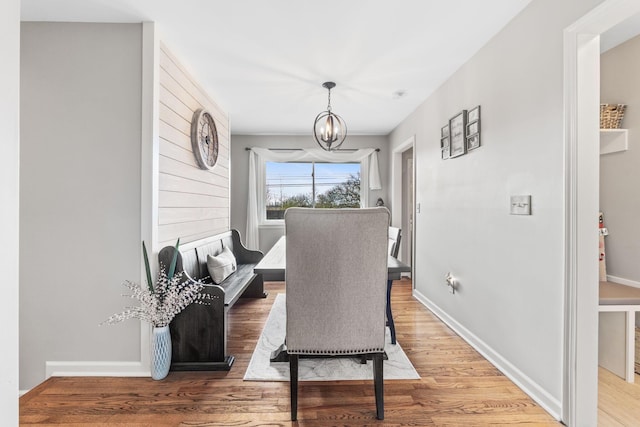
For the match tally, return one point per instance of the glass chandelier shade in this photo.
(329, 130)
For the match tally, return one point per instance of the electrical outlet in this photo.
(451, 282)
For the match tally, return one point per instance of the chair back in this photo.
(336, 280)
(394, 241)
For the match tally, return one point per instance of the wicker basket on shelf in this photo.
(611, 115)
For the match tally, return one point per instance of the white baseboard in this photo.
(95, 369)
(552, 405)
(623, 281)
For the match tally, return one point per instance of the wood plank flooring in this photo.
(618, 400)
(457, 386)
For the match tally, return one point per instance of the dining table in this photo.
(273, 268)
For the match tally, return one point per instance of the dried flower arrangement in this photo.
(159, 304)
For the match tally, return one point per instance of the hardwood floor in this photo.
(618, 401)
(457, 386)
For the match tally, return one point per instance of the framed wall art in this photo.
(457, 134)
(445, 146)
(473, 142)
(473, 128)
(474, 114)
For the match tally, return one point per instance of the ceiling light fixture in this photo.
(329, 130)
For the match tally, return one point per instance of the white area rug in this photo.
(398, 367)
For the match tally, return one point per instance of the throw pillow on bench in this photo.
(221, 266)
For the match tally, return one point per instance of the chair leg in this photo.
(293, 384)
(392, 326)
(378, 384)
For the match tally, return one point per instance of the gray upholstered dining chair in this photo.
(336, 281)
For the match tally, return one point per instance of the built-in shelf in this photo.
(613, 140)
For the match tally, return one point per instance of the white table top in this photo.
(274, 262)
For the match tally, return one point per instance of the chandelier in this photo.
(329, 130)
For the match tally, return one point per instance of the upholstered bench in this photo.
(199, 332)
(618, 305)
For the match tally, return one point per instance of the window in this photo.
(310, 184)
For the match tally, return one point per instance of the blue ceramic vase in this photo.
(160, 352)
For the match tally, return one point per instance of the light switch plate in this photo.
(520, 205)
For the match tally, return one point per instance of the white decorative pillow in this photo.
(221, 266)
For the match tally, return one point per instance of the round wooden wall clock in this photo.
(204, 139)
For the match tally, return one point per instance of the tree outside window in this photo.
(312, 184)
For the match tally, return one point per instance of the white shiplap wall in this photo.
(193, 203)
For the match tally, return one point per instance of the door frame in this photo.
(396, 192)
(581, 184)
(408, 205)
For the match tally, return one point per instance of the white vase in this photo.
(160, 352)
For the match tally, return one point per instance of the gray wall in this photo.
(240, 166)
(79, 192)
(510, 268)
(9, 207)
(620, 172)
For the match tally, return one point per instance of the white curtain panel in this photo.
(369, 173)
(252, 234)
(374, 172)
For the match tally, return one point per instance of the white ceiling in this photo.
(264, 61)
(620, 33)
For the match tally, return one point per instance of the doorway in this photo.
(618, 400)
(407, 208)
(582, 99)
(403, 198)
